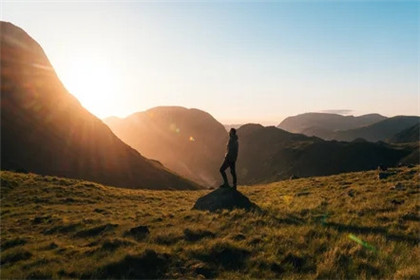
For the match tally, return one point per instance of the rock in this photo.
(224, 198)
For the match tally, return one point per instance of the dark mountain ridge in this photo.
(268, 154)
(411, 134)
(324, 124)
(379, 131)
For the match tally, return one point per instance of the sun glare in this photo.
(92, 81)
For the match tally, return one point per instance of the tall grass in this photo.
(351, 225)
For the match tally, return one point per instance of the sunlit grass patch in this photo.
(351, 225)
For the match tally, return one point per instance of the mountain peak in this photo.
(46, 130)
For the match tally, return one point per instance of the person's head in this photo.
(232, 132)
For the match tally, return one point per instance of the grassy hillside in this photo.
(352, 225)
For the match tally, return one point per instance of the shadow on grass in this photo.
(114, 244)
(197, 234)
(138, 233)
(375, 230)
(224, 254)
(62, 228)
(12, 243)
(298, 263)
(290, 219)
(411, 217)
(15, 256)
(148, 265)
(95, 230)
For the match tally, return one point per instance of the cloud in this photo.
(340, 112)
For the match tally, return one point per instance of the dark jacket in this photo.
(232, 148)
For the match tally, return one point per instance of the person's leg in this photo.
(233, 172)
(225, 165)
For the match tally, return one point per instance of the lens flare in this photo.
(361, 242)
(173, 127)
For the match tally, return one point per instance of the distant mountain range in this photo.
(380, 131)
(189, 141)
(266, 154)
(269, 154)
(326, 123)
(45, 130)
(372, 127)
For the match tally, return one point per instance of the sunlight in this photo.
(93, 81)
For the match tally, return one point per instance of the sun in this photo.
(93, 81)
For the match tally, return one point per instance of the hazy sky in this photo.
(241, 62)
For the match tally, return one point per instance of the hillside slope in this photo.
(44, 129)
(269, 154)
(323, 125)
(348, 226)
(189, 141)
(379, 131)
(411, 134)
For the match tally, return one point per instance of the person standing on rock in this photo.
(230, 159)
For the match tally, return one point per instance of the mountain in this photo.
(268, 154)
(323, 125)
(411, 134)
(379, 131)
(189, 141)
(229, 126)
(45, 130)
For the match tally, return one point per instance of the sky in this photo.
(240, 61)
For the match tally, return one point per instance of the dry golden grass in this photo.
(351, 225)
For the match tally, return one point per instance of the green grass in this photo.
(345, 226)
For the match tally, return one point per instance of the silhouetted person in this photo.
(230, 158)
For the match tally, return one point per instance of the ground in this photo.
(352, 225)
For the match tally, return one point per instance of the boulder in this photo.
(224, 198)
